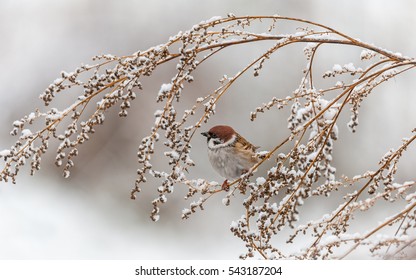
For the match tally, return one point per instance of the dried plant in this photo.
(272, 202)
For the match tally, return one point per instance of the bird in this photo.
(230, 154)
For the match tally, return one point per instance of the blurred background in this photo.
(90, 215)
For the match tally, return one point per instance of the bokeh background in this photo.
(90, 215)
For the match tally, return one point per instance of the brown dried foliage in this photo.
(306, 171)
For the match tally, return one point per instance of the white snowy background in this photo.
(90, 215)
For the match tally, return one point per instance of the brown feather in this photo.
(245, 144)
(223, 132)
(246, 149)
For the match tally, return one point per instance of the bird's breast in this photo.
(226, 162)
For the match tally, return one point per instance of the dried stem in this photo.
(306, 170)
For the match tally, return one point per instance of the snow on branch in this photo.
(307, 170)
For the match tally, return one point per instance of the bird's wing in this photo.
(243, 143)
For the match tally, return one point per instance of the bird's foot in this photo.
(225, 186)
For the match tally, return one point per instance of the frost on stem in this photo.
(273, 200)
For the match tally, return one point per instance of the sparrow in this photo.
(229, 153)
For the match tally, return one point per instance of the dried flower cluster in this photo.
(273, 202)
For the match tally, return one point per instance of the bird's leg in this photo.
(225, 186)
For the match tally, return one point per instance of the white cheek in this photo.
(211, 144)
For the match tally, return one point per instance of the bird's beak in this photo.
(205, 134)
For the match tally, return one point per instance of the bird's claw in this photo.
(225, 186)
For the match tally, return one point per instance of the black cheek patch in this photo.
(217, 142)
